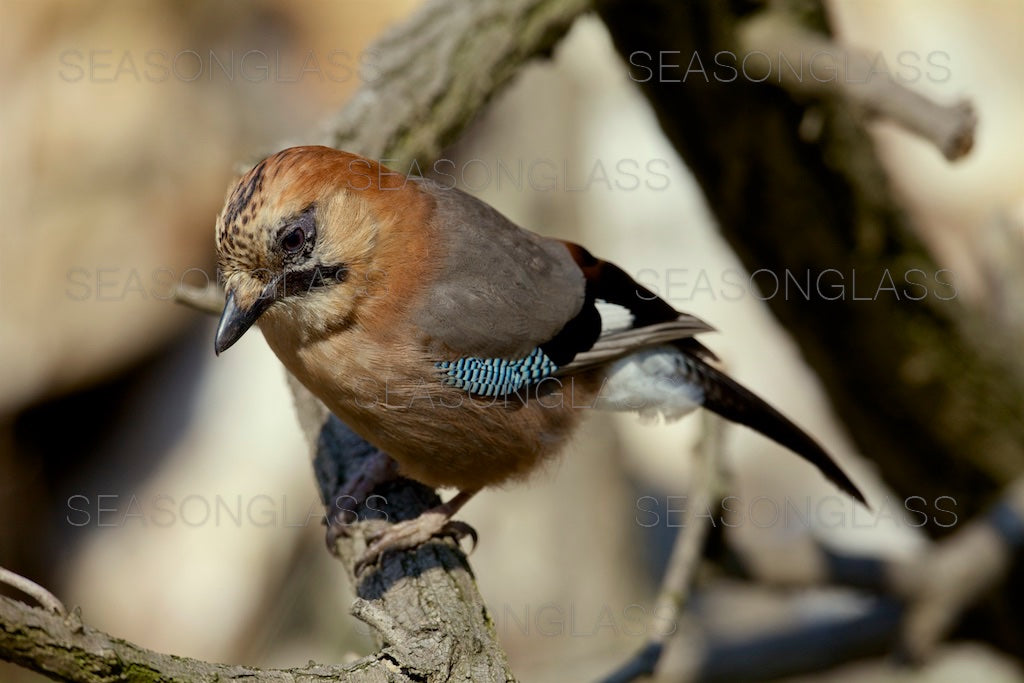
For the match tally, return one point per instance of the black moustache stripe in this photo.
(296, 282)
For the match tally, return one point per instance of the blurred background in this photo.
(168, 492)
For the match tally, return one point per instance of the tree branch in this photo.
(208, 299)
(435, 79)
(64, 649)
(853, 75)
(687, 551)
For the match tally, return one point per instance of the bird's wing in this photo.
(510, 307)
(500, 291)
(631, 315)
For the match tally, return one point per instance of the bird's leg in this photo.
(436, 521)
(374, 470)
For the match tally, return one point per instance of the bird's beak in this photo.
(235, 320)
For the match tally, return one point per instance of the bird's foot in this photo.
(412, 533)
(435, 522)
(342, 512)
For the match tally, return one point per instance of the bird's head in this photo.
(297, 240)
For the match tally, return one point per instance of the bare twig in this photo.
(675, 587)
(686, 554)
(209, 299)
(807, 63)
(44, 597)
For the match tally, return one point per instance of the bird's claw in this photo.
(457, 531)
(411, 533)
(338, 526)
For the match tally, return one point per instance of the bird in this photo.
(463, 346)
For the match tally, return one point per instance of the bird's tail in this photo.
(726, 397)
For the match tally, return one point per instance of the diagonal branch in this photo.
(808, 64)
(45, 598)
(687, 552)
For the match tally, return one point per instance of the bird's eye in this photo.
(294, 240)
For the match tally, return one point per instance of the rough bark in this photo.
(435, 79)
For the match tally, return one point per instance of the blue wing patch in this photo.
(495, 376)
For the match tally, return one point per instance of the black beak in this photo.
(234, 321)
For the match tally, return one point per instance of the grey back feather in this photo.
(502, 290)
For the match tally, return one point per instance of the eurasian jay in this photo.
(460, 344)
